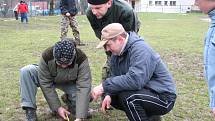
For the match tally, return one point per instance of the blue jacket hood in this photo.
(135, 38)
(212, 16)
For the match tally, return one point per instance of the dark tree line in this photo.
(4, 7)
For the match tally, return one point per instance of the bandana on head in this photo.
(64, 52)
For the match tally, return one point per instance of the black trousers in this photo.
(16, 15)
(140, 105)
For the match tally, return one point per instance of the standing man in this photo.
(208, 7)
(62, 66)
(15, 11)
(69, 10)
(23, 10)
(103, 12)
(140, 84)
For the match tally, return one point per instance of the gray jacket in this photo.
(138, 67)
(78, 72)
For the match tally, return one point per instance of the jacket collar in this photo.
(109, 11)
(212, 16)
(132, 38)
(123, 47)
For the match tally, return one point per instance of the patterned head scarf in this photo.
(64, 52)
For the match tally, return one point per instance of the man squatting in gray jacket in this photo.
(61, 66)
(140, 83)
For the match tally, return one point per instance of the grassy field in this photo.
(177, 37)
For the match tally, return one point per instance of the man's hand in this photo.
(62, 112)
(106, 103)
(67, 14)
(97, 91)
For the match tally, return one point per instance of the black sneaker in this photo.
(65, 99)
(81, 44)
(31, 114)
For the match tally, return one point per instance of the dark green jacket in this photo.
(68, 6)
(119, 12)
(79, 73)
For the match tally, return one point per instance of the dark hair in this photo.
(97, 2)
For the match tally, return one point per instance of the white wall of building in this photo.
(166, 6)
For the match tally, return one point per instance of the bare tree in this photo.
(83, 6)
(4, 7)
(51, 9)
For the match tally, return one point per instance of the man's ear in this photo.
(121, 38)
(109, 3)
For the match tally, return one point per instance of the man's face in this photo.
(63, 65)
(205, 5)
(100, 10)
(114, 46)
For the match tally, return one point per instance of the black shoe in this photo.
(155, 118)
(64, 98)
(81, 44)
(31, 114)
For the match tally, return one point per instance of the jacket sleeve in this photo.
(63, 7)
(93, 23)
(127, 19)
(209, 63)
(26, 8)
(141, 68)
(83, 89)
(47, 86)
(15, 8)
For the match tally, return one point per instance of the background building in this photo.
(52, 7)
(166, 6)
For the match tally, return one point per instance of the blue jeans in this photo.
(29, 83)
(209, 63)
(24, 16)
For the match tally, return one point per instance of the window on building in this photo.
(158, 3)
(166, 3)
(172, 3)
(150, 3)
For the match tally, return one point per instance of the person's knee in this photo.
(26, 69)
(123, 98)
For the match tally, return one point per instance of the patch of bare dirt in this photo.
(187, 64)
